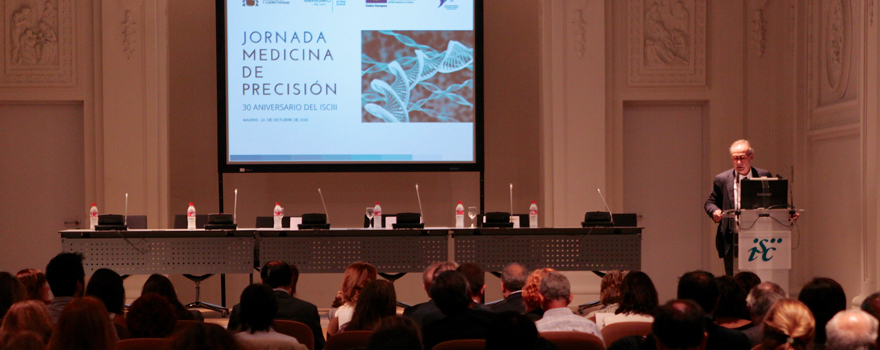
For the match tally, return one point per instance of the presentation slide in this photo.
(350, 81)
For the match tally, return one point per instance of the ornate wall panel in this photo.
(667, 43)
(833, 68)
(38, 43)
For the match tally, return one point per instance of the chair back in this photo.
(574, 340)
(180, 220)
(461, 344)
(269, 222)
(348, 340)
(295, 329)
(615, 331)
(144, 344)
(136, 222)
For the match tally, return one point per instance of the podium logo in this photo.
(250, 2)
(762, 251)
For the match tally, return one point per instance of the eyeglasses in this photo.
(736, 158)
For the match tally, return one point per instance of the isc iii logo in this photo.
(762, 250)
(250, 2)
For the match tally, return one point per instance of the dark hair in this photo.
(84, 324)
(639, 295)
(700, 287)
(11, 292)
(731, 299)
(63, 271)
(513, 276)
(106, 285)
(474, 276)
(162, 285)
(824, 297)
(746, 280)
(377, 301)
(449, 292)
(398, 333)
(679, 324)
(258, 308)
(871, 305)
(204, 336)
(150, 316)
(22, 340)
(511, 330)
(33, 281)
(276, 274)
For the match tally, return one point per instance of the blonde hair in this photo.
(356, 276)
(788, 325)
(28, 315)
(531, 292)
(609, 288)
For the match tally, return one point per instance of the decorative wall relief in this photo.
(37, 42)
(869, 9)
(579, 33)
(835, 51)
(759, 32)
(667, 45)
(129, 29)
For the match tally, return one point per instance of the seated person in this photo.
(67, 279)
(162, 285)
(450, 292)
(150, 316)
(356, 276)
(398, 333)
(476, 284)
(35, 283)
(556, 293)
(609, 294)
(639, 302)
(732, 311)
(531, 294)
(258, 308)
(678, 324)
(513, 278)
(376, 302)
(428, 312)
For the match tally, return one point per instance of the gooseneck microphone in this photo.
(511, 199)
(327, 214)
(610, 215)
(125, 217)
(421, 211)
(235, 208)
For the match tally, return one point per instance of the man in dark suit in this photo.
(450, 292)
(700, 287)
(513, 278)
(283, 278)
(725, 196)
(428, 312)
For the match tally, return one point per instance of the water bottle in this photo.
(377, 216)
(459, 216)
(278, 215)
(533, 215)
(93, 217)
(191, 217)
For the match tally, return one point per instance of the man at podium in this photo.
(725, 195)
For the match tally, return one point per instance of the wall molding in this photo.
(667, 43)
(44, 54)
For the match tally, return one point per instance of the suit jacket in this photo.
(289, 308)
(424, 313)
(467, 324)
(513, 302)
(722, 197)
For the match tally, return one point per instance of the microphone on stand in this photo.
(511, 199)
(235, 208)
(421, 211)
(125, 217)
(610, 215)
(324, 204)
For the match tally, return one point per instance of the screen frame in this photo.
(224, 166)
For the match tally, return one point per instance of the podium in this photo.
(765, 244)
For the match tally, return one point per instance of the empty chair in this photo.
(269, 222)
(462, 344)
(615, 331)
(574, 340)
(201, 220)
(348, 340)
(144, 344)
(295, 329)
(180, 220)
(137, 222)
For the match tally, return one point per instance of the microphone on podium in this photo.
(324, 204)
(610, 215)
(421, 211)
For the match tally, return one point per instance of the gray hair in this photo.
(762, 297)
(742, 141)
(555, 286)
(513, 276)
(851, 330)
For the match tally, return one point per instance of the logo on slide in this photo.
(442, 2)
(250, 2)
(763, 251)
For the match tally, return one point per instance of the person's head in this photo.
(356, 276)
(258, 308)
(700, 287)
(35, 283)
(742, 154)
(790, 324)
(377, 301)
(475, 278)
(11, 292)
(428, 276)
(639, 295)
(555, 290)
(871, 305)
(277, 274)
(161, 285)
(731, 299)
(446, 266)
(680, 324)
(531, 292)
(66, 275)
(609, 288)
(851, 330)
(106, 285)
(824, 297)
(84, 324)
(761, 298)
(449, 292)
(204, 336)
(513, 277)
(746, 280)
(393, 332)
(511, 330)
(150, 316)
(28, 315)
(22, 340)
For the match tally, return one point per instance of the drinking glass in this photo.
(370, 215)
(472, 213)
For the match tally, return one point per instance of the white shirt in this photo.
(344, 313)
(605, 319)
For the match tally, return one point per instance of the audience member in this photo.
(282, 278)
(427, 312)
(377, 301)
(556, 295)
(258, 308)
(28, 315)
(513, 330)
(824, 297)
(531, 294)
(678, 324)
(609, 294)
(151, 316)
(746, 280)
(84, 324)
(396, 333)
(476, 284)
(35, 282)
(513, 278)
(639, 303)
(700, 287)
(22, 340)
(789, 324)
(732, 311)
(356, 276)
(162, 285)
(11, 292)
(204, 336)
(871, 305)
(67, 279)
(450, 292)
(759, 301)
(851, 330)
(106, 285)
